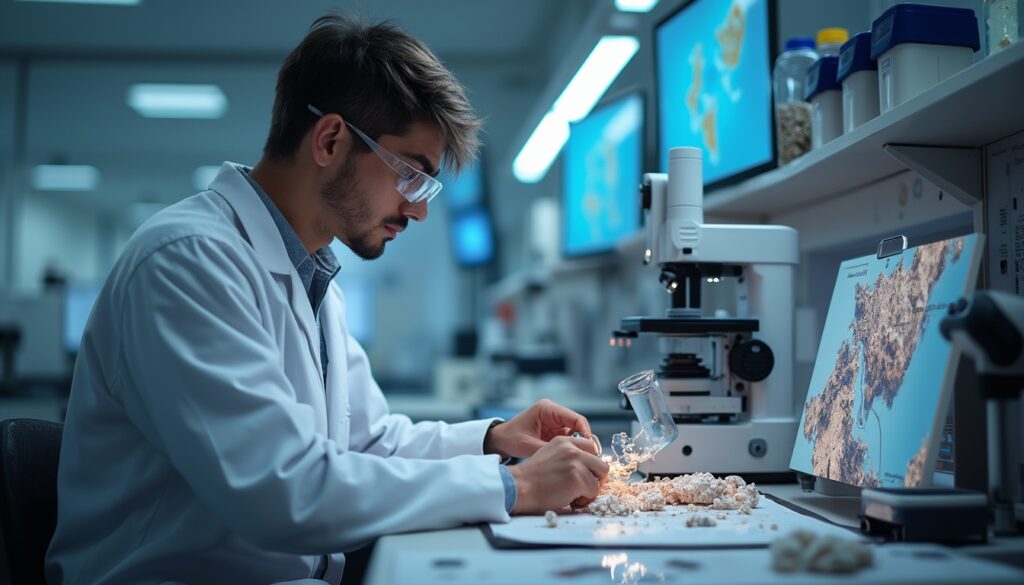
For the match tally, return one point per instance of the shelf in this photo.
(971, 109)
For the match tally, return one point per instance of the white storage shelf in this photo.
(971, 109)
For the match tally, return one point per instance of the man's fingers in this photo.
(584, 444)
(598, 468)
(555, 415)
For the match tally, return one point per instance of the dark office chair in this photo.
(29, 450)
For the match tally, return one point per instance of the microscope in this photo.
(728, 380)
(989, 328)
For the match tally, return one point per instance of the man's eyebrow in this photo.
(428, 168)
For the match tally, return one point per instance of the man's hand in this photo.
(531, 429)
(565, 470)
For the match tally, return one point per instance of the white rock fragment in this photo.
(745, 509)
(720, 516)
(652, 501)
(701, 520)
(610, 505)
(806, 551)
(551, 518)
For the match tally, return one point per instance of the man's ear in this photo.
(327, 135)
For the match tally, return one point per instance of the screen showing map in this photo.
(714, 85)
(602, 170)
(881, 385)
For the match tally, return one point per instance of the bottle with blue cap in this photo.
(792, 113)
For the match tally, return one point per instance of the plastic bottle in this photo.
(830, 40)
(792, 113)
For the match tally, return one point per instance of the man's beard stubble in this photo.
(352, 212)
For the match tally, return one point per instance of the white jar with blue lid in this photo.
(858, 74)
(826, 97)
(917, 46)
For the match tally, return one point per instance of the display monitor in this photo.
(472, 236)
(713, 66)
(602, 168)
(876, 408)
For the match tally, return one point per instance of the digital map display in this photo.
(603, 163)
(714, 84)
(878, 393)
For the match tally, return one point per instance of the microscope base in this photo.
(759, 447)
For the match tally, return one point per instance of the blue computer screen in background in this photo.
(602, 168)
(472, 237)
(714, 85)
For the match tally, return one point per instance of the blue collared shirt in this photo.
(316, 271)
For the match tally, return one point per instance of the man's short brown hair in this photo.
(379, 78)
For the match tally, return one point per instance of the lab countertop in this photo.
(471, 542)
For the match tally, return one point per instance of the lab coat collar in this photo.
(268, 244)
(263, 235)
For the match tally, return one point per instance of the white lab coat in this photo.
(201, 445)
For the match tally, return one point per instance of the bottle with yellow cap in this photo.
(830, 40)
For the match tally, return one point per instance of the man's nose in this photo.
(415, 211)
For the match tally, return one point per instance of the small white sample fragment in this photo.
(701, 520)
(806, 551)
(551, 518)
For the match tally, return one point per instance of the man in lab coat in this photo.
(223, 425)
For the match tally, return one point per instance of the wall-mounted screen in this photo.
(602, 168)
(713, 65)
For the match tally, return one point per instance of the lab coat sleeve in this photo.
(376, 430)
(201, 377)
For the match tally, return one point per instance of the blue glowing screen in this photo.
(714, 85)
(472, 237)
(603, 160)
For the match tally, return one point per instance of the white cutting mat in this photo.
(662, 529)
(895, 564)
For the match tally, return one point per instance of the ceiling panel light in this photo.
(635, 5)
(609, 57)
(541, 148)
(168, 100)
(600, 69)
(203, 176)
(65, 177)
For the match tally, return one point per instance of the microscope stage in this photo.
(688, 326)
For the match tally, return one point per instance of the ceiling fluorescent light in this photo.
(608, 58)
(203, 176)
(113, 2)
(167, 100)
(635, 5)
(541, 148)
(65, 177)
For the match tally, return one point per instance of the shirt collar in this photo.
(304, 262)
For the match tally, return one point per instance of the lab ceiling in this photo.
(81, 59)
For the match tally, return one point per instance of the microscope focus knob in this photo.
(752, 360)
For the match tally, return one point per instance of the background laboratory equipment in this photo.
(792, 113)
(1002, 24)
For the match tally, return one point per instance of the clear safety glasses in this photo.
(413, 184)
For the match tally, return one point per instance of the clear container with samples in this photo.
(1003, 20)
(657, 428)
(792, 113)
(826, 97)
(858, 74)
(830, 41)
(917, 46)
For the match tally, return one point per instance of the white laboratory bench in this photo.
(470, 542)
